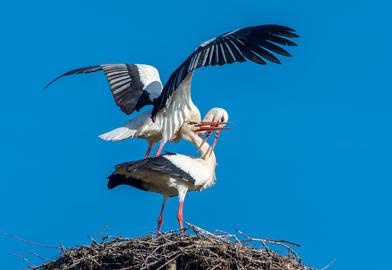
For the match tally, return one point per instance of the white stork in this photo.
(172, 174)
(134, 86)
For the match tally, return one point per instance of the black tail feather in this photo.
(118, 179)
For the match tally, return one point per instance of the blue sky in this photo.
(308, 159)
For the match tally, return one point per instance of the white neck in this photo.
(205, 150)
(206, 154)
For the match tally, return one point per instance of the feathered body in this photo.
(170, 174)
(162, 128)
(134, 86)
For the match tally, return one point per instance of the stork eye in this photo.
(222, 119)
(192, 123)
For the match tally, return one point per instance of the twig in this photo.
(328, 265)
(92, 240)
(199, 249)
(169, 261)
(36, 255)
(31, 265)
(101, 232)
(281, 243)
(26, 241)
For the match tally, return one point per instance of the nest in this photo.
(197, 249)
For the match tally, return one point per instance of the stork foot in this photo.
(160, 217)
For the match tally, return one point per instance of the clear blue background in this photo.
(309, 158)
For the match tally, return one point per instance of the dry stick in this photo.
(269, 240)
(328, 265)
(150, 255)
(198, 229)
(26, 241)
(276, 242)
(215, 266)
(202, 248)
(282, 241)
(169, 261)
(229, 235)
(31, 265)
(101, 232)
(35, 254)
(92, 240)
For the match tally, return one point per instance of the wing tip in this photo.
(278, 30)
(51, 82)
(278, 62)
(281, 27)
(75, 71)
(292, 44)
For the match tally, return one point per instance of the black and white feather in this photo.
(161, 174)
(133, 86)
(136, 86)
(253, 43)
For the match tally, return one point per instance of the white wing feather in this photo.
(118, 134)
(196, 168)
(141, 126)
(179, 108)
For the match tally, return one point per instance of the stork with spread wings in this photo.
(135, 86)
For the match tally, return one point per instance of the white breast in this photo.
(197, 168)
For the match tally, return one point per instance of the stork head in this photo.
(215, 120)
(190, 128)
(216, 115)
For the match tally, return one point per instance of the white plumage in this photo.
(141, 126)
(137, 85)
(172, 174)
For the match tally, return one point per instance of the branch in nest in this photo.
(26, 241)
(199, 249)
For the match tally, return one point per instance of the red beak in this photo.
(209, 127)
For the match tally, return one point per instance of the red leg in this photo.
(179, 216)
(160, 149)
(160, 219)
(150, 145)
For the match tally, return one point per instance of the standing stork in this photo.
(135, 86)
(172, 174)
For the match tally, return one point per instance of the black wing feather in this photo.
(251, 43)
(280, 40)
(273, 48)
(264, 53)
(128, 90)
(76, 71)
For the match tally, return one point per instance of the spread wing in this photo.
(133, 86)
(255, 43)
